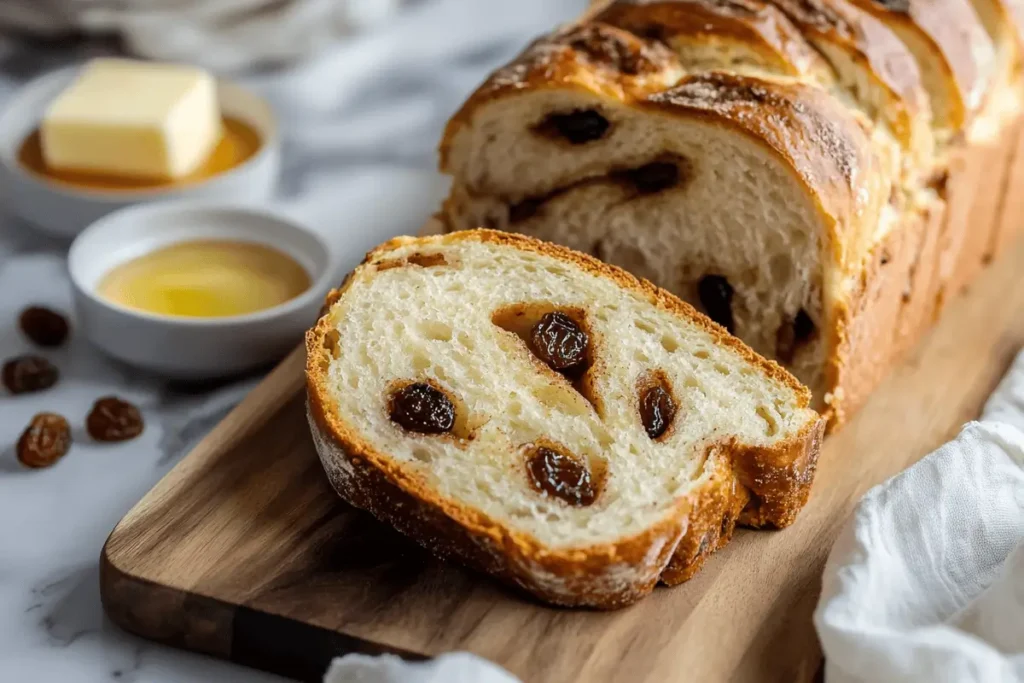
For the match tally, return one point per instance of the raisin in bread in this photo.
(547, 418)
(806, 171)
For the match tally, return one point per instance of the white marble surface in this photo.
(361, 125)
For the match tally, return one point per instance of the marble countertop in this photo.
(359, 158)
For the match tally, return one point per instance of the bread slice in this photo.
(549, 419)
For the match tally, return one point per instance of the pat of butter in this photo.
(133, 119)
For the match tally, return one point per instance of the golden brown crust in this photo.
(951, 30)
(865, 39)
(754, 24)
(591, 576)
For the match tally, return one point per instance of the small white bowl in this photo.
(64, 210)
(193, 348)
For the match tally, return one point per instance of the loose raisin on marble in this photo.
(657, 409)
(561, 476)
(422, 408)
(26, 374)
(578, 127)
(112, 419)
(43, 326)
(45, 441)
(716, 297)
(559, 341)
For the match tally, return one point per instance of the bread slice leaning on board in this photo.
(550, 419)
(819, 176)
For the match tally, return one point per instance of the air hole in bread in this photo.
(771, 424)
(645, 326)
(560, 475)
(466, 341)
(792, 335)
(669, 344)
(691, 382)
(577, 127)
(715, 294)
(420, 362)
(640, 356)
(332, 343)
(426, 260)
(656, 404)
(422, 454)
(436, 330)
(722, 369)
(702, 354)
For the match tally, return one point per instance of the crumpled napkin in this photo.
(926, 581)
(456, 667)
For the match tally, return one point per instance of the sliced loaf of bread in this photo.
(550, 419)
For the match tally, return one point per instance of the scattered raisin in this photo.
(716, 297)
(578, 127)
(112, 419)
(421, 408)
(657, 408)
(25, 374)
(651, 178)
(560, 342)
(43, 326)
(562, 476)
(45, 441)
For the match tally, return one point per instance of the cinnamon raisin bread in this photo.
(805, 171)
(550, 419)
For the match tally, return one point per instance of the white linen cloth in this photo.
(220, 34)
(926, 580)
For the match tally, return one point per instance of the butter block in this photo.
(133, 119)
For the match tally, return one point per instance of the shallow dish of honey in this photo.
(206, 279)
(242, 169)
(198, 291)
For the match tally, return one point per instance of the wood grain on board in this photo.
(244, 552)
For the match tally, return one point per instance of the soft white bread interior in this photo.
(459, 314)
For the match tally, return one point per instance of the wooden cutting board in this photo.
(244, 552)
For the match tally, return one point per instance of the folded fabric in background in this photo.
(225, 35)
(926, 581)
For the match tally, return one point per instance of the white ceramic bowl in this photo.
(64, 210)
(193, 348)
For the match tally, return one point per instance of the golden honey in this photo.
(206, 279)
(238, 143)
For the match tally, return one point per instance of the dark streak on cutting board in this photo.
(243, 551)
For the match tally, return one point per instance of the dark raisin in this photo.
(716, 297)
(25, 374)
(421, 408)
(524, 210)
(653, 177)
(790, 336)
(112, 419)
(803, 326)
(657, 408)
(43, 326)
(578, 127)
(45, 441)
(561, 476)
(560, 342)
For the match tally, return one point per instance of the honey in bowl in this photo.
(239, 142)
(206, 279)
